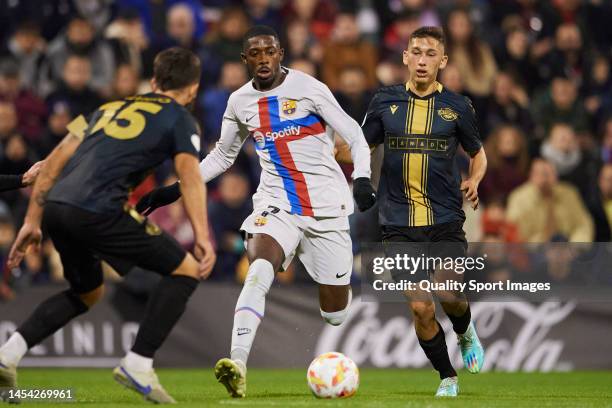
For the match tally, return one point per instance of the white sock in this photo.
(13, 350)
(337, 318)
(137, 362)
(250, 308)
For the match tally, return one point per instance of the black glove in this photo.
(158, 197)
(364, 193)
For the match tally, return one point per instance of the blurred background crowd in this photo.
(538, 73)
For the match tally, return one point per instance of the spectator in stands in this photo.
(495, 223)
(180, 28)
(573, 164)
(354, 97)
(8, 121)
(16, 157)
(473, 57)
(507, 104)
(397, 34)
(261, 12)
(59, 117)
(27, 48)
(567, 58)
(31, 110)
(597, 89)
(80, 39)
(226, 216)
(425, 11)
(305, 66)
(319, 15)
(391, 72)
(547, 209)
(152, 14)
(600, 205)
(514, 58)
(508, 163)
(223, 44)
(214, 101)
(130, 42)
(301, 44)
(450, 77)
(346, 48)
(559, 103)
(126, 82)
(606, 141)
(353, 92)
(74, 87)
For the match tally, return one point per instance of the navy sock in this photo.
(50, 316)
(165, 308)
(461, 323)
(436, 351)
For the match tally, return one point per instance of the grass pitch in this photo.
(379, 388)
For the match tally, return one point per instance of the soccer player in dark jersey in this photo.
(81, 195)
(420, 124)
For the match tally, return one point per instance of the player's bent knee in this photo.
(92, 297)
(189, 267)
(423, 311)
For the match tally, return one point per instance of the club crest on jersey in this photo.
(448, 114)
(289, 107)
(260, 221)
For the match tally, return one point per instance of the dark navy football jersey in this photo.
(419, 182)
(123, 141)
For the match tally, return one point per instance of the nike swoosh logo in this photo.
(339, 276)
(247, 119)
(142, 389)
(240, 334)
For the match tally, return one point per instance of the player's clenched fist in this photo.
(364, 193)
(205, 254)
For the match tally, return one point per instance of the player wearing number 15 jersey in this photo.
(85, 215)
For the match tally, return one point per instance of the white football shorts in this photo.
(323, 245)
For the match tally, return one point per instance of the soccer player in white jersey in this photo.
(302, 202)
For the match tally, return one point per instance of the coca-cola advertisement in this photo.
(517, 335)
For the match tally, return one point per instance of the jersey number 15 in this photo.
(135, 120)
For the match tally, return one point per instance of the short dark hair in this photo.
(176, 68)
(257, 31)
(436, 33)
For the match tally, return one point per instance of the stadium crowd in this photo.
(538, 73)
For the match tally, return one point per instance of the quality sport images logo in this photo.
(270, 136)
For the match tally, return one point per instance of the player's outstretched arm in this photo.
(216, 162)
(478, 168)
(193, 191)
(158, 197)
(30, 233)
